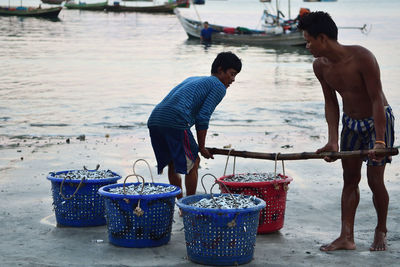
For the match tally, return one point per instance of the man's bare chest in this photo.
(343, 77)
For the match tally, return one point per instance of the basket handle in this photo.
(138, 176)
(211, 194)
(215, 179)
(283, 165)
(76, 191)
(276, 186)
(86, 169)
(227, 159)
(138, 211)
(148, 165)
(216, 182)
(233, 222)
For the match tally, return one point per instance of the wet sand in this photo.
(30, 236)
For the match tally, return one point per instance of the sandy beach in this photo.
(30, 236)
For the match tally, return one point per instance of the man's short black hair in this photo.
(226, 60)
(318, 22)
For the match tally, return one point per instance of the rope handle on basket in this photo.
(219, 183)
(138, 211)
(233, 222)
(79, 186)
(227, 159)
(276, 186)
(148, 165)
(76, 191)
(216, 182)
(97, 167)
(201, 180)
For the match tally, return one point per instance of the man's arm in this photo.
(201, 139)
(331, 110)
(371, 75)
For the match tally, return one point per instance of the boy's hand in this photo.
(205, 153)
(329, 148)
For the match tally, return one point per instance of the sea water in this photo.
(99, 73)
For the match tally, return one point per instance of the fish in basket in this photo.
(139, 214)
(270, 187)
(220, 229)
(75, 199)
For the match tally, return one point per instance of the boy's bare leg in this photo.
(350, 200)
(174, 178)
(380, 198)
(191, 178)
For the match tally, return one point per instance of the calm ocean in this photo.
(98, 73)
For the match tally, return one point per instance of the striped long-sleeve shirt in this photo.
(190, 103)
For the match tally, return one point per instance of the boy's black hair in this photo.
(226, 60)
(318, 22)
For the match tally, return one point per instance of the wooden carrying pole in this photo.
(303, 155)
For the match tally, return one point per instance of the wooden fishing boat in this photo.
(164, 8)
(86, 6)
(53, 2)
(51, 13)
(243, 36)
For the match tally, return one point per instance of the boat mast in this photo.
(277, 12)
(195, 9)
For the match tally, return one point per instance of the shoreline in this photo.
(312, 217)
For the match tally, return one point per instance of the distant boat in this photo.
(53, 2)
(164, 8)
(51, 13)
(244, 36)
(86, 6)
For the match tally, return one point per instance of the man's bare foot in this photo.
(339, 244)
(379, 243)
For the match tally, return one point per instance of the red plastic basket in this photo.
(272, 192)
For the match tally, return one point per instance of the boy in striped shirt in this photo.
(190, 103)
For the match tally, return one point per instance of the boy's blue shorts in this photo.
(174, 145)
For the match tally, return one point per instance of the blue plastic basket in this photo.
(152, 229)
(79, 207)
(212, 239)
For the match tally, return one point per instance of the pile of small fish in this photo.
(226, 201)
(88, 175)
(149, 189)
(253, 177)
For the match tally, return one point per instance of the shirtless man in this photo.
(367, 121)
